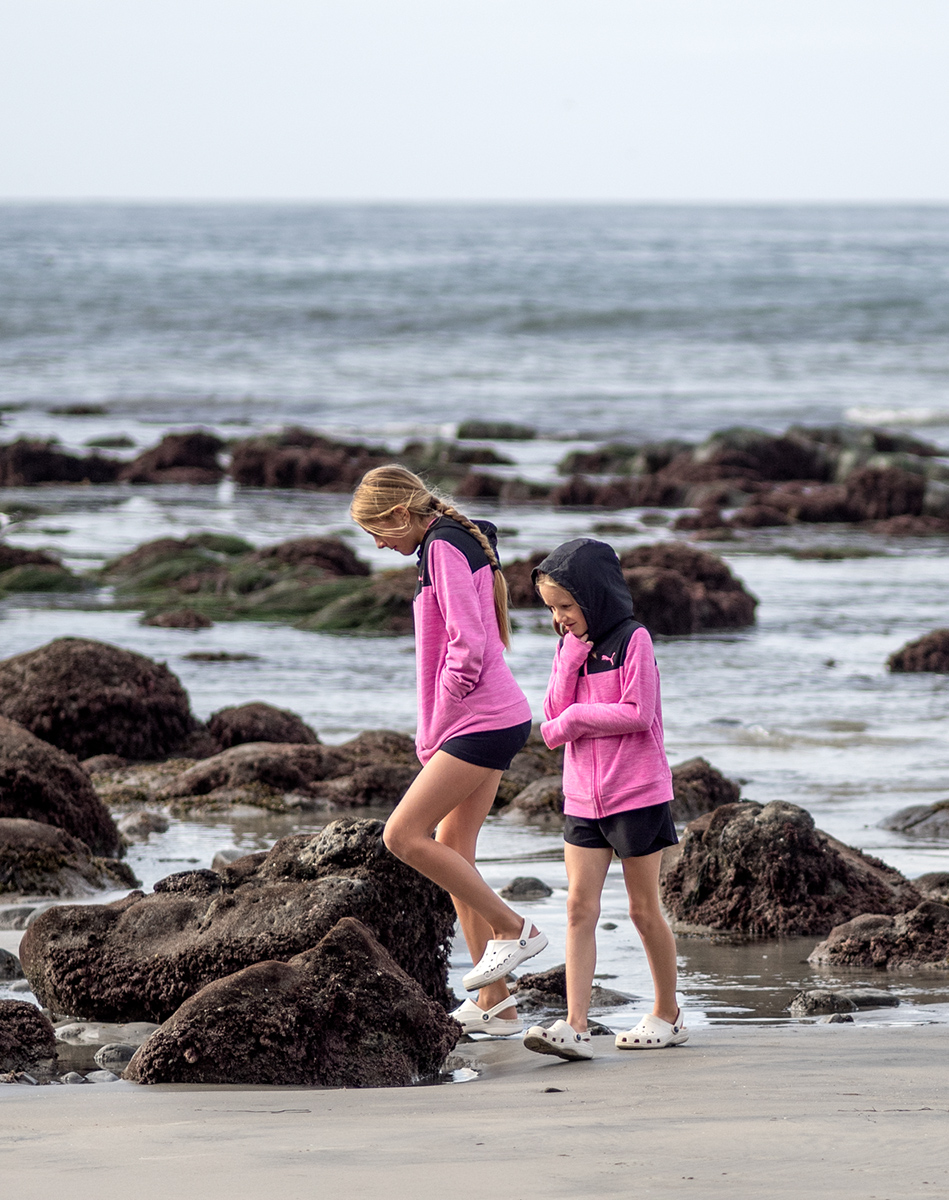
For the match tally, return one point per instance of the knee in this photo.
(396, 839)
(644, 912)
(583, 911)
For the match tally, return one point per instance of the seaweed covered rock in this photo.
(28, 461)
(328, 554)
(299, 458)
(678, 589)
(142, 957)
(765, 870)
(42, 860)
(38, 782)
(258, 722)
(384, 605)
(190, 457)
(26, 1036)
(875, 494)
(92, 698)
(342, 1014)
(178, 618)
(698, 788)
(929, 653)
(914, 940)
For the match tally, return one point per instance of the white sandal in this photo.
(560, 1039)
(473, 1019)
(501, 957)
(653, 1033)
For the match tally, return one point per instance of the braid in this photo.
(449, 510)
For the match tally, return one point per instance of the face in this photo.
(406, 532)
(564, 609)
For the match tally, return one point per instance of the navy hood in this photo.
(591, 573)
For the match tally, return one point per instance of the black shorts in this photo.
(632, 834)
(493, 748)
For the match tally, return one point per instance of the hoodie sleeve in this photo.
(570, 655)
(632, 713)
(458, 602)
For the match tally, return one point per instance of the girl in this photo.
(472, 720)
(602, 703)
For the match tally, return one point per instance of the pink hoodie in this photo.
(464, 682)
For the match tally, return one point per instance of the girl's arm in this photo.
(569, 657)
(460, 606)
(633, 712)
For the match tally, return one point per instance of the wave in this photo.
(898, 416)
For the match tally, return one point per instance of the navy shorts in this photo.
(632, 834)
(493, 748)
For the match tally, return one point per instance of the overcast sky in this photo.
(463, 100)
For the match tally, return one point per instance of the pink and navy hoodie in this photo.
(464, 682)
(602, 700)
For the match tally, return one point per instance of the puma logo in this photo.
(610, 658)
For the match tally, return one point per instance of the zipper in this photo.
(594, 763)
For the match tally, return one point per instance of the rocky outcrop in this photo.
(142, 957)
(929, 653)
(190, 457)
(768, 872)
(921, 820)
(342, 1014)
(92, 698)
(38, 782)
(678, 589)
(908, 941)
(299, 458)
(698, 788)
(26, 1036)
(259, 722)
(41, 860)
(27, 461)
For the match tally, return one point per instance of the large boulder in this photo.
(258, 722)
(343, 1014)
(678, 589)
(698, 788)
(921, 820)
(41, 860)
(92, 698)
(38, 782)
(140, 958)
(26, 1036)
(929, 653)
(765, 870)
(907, 941)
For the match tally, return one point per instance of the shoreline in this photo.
(837, 1111)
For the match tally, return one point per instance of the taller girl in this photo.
(472, 720)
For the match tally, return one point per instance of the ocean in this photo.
(589, 323)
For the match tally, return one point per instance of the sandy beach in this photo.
(741, 1112)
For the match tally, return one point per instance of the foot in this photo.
(559, 1039)
(653, 1033)
(502, 956)
(473, 1019)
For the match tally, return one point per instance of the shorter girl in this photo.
(602, 704)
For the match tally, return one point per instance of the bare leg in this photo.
(586, 874)
(642, 887)
(459, 830)
(444, 783)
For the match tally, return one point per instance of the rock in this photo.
(534, 762)
(812, 504)
(767, 871)
(924, 526)
(115, 1056)
(259, 722)
(74, 1077)
(863, 997)
(37, 859)
(552, 982)
(103, 762)
(38, 782)
(224, 858)
(26, 1036)
(138, 825)
(80, 1043)
(383, 606)
(92, 698)
(12, 557)
(876, 494)
(934, 885)
(523, 594)
(102, 1077)
(26, 462)
(325, 553)
(758, 516)
(914, 940)
(678, 589)
(698, 787)
(152, 952)
(299, 458)
(707, 517)
(9, 966)
(921, 820)
(929, 653)
(818, 1001)
(342, 1014)
(494, 431)
(178, 458)
(179, 618)
(540, 801)
(836, 1019)
(16, 916)
(39, 579)
(526, 887)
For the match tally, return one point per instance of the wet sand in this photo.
(816, 1111)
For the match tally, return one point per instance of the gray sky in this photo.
(464, 100)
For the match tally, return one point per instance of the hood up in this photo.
(590, 572)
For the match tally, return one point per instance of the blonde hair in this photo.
(384, 489)
(541, 578)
